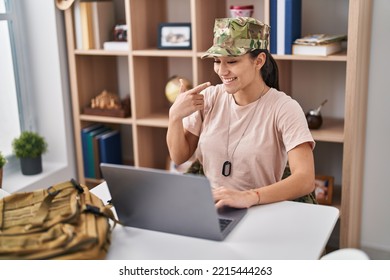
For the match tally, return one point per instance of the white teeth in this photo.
(228, 80)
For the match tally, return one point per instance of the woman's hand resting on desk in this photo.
(234, 198)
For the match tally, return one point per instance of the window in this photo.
(35, 37)
(13, 110)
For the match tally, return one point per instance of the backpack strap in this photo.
(43, 210)
(102, 211)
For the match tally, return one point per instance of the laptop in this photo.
(175, 203)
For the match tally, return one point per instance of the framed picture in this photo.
(174, 36)
(324, 189)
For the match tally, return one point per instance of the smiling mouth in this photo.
(228, 80)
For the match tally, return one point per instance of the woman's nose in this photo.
(222, 69)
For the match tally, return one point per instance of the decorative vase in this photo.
(241, 11)
(172, 88)
(314, 117)
(31, 166)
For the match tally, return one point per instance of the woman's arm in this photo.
(181, 143)
(299, 183)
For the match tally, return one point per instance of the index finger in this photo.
(199, 88)
(182, 86)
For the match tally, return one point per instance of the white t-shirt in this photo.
(278, 125)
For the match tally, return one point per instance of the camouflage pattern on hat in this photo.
(237, 36)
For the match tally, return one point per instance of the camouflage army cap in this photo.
(237, 36)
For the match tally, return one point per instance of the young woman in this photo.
(244, 130)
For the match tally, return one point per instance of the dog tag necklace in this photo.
(227, 165)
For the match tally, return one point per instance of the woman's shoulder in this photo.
(277, 97)
(214, 93)
(279, 100)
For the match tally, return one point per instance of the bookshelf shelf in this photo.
(332, 130)
(155, 120)
(101, 52)
(143, 70)
(334, 57)
(162, 53)
(102, 119)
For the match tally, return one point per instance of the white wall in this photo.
(376, 193)
(46, 74)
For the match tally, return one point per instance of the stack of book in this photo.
(94, 23)
(318, 44)
(116, 46)
(100, 144)
(285, 22)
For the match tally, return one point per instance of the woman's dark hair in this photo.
(269, 72)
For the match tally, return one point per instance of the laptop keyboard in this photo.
(223, 223)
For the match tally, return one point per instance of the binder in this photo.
(110, 147)
(273, 25)
(84, 143)
(91, 158)
(280, 25)
(288, 24)
(293, 23)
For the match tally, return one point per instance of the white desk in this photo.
(283, 230)
(3, 193)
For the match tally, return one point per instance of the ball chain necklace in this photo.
(227, 165)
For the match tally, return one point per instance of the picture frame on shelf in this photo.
(324, 189)
(175, 36)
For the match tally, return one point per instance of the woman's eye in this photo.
(227, 62)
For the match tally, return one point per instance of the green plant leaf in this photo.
(29, 144)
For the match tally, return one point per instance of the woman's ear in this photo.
(260, 60)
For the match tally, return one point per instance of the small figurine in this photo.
(314, 118)
(106, 100)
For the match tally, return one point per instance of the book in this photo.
(280, 24)
(288, 24)
(77, 25)
(318, 39)
(273, 23)
(116, 46)
(84, 143)
(96, 153)
(91, 158)
(103, 20)
(319, 50)
(107, 148)
(292, 23)
(86, 25)
(95, 148)
(110, 148)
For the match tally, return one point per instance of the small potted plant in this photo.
(3, 161)
(29, 147)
